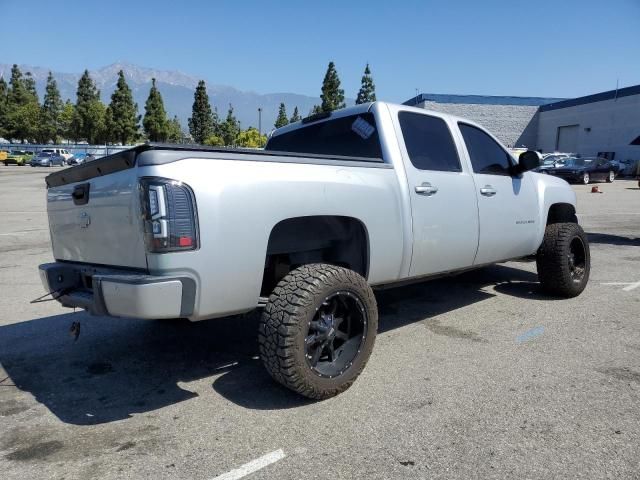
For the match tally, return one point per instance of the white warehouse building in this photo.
(606, 124)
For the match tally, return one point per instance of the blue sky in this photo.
(511, 47)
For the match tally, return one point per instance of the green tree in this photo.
(155, 123)
(230, 128)
(4, 90)
(296, 116)
(30, 85)
(123, 124)
(84, 125)
(251, 138)
(214, 141)
(106, 134)
(50, 128)
(332, 95)
(282, 119)
(202, 123)
(174, 130)
(66, 121)
(23, 108)
(367, 91)
(315, 109)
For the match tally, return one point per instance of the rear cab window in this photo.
(350, 136)
(429, 142)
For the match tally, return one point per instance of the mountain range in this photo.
(177, 91)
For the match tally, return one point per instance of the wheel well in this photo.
(562, 213)
(293, 242)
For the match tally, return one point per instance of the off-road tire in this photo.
(285, 323)
(552, 260)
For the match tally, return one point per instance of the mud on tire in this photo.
(564, 260)
(312, 306)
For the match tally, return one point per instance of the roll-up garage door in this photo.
(567, 139)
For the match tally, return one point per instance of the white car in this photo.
(334, 207)
(66, 154)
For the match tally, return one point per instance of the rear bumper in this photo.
(119, 293)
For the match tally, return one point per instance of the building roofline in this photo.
(596, 97)
(481, 99)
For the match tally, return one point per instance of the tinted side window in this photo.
(486, 155)
(429, 142)
(354, 136)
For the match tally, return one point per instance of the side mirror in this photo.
(527, 161)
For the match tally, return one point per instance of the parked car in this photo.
(47, 159)
(66, 154)
(342, 202)
(3, 155)
(585, 170)
(18, 157)
(77, 159)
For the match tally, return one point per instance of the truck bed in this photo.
(167, 153)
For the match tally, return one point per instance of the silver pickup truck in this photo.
(336, 205)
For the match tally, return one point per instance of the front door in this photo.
(444, 207)
(507, 205)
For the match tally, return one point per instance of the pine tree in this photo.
(23, 109)
(202, 123)
(332, 95)
(174, 130)
(296, 116)
(282, 119)
(230, 128)
(4, 90)
(367, 91)
(124, 113)
(50, 128)
(85, 125)
(155, 122)
(30, 85)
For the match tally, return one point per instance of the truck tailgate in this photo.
(98, 220)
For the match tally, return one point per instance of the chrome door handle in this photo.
(488, 191)
(426, 189)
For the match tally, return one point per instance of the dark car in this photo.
(47, 159)
(585, 170)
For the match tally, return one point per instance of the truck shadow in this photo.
(121, 367)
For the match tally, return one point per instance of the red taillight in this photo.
(170, 217)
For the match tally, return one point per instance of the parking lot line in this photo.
(252, 466)
(529, 334)
(629, 285)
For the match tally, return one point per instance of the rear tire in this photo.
(611, 177)
(318, 330)
(564, 260)
(586, 178)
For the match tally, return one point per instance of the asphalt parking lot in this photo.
(475, 376)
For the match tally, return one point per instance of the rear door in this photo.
(507, 205)
(444, 207)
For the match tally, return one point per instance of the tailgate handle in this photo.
(81, 194)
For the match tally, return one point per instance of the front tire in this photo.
(564, 260)
(318, 330)
(586, 178)
(611, 177)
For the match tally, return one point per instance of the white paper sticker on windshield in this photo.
(363, 128)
